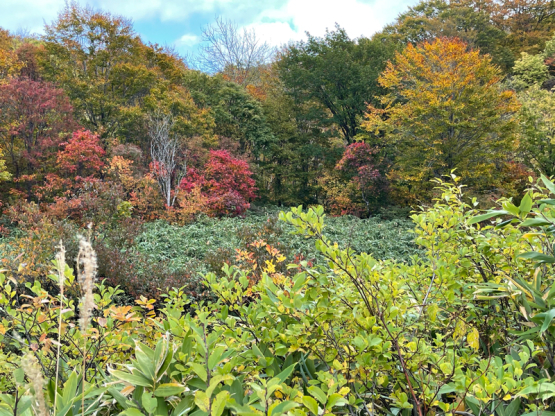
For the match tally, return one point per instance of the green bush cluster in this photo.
(190, 246)
(466, 327)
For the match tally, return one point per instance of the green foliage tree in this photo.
(302, 149)
(236, 115)
(530, 70)
(338, 73)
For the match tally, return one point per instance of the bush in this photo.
(465, 327)
(225, 182)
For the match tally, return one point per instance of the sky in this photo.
(179, 23)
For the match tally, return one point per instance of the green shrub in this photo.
(466, 327)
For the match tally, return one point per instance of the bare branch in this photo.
(227, 49)
(164, 149)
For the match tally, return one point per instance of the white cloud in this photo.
(28, 14)
(358, 18)
(277, 21)
(187, 40)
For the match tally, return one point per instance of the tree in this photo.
(445, 110)
(110, 75)
(4, 174)
(10, 64)
(361, 165)
(236, 53)
(236, 115)
(431, 19)
(301, 149)
(338, 73)
(528, 23)
(164, 150)
(226, 183)
(34, 115)
(81, 155)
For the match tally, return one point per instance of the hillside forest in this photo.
(334, 226)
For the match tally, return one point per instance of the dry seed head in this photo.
(31, 367)
(86, 266)
(61, 264)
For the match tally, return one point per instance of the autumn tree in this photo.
(10, 64)
(445, 110)
(431, 19)
(81, 155)
(231, 51)
(528, 23)
(110, 75)
(362, 166)
(225, 181)
(95, 57)
(338, 73)
(34, 115)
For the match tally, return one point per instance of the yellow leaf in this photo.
(473, 339)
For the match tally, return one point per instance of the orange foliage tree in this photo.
(445, 110)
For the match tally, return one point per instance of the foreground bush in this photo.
(466, 328)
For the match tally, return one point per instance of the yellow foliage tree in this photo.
(10, 65)
(445, 110)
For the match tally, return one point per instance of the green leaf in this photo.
(547, 320)
(184, 406)
(473, 405)
(335, 399)
(134, 379)
(217, 380)
(539, 257)
(534, 222)
(215, 357)
(538, 389)
(319, 394)
(486, 216)
(548, 184)
(144, 362)
(169, 389)
(5, 410)
(311, 404)
(284, 375)
(149, 402)
(509, 206)
(199, 370)
(70, 387)
(218, 406)
(526, 204)
(120, 398)
(202, 401)
(513, 408)
(132, 411)
(280, 408)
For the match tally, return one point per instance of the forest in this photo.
(348, 226)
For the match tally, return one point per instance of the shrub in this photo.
(81, 155)
(466, 327)
(226, 183)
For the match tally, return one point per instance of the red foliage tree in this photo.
(33, 116)
(361, 165)
(82, 154)
(226, 182)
